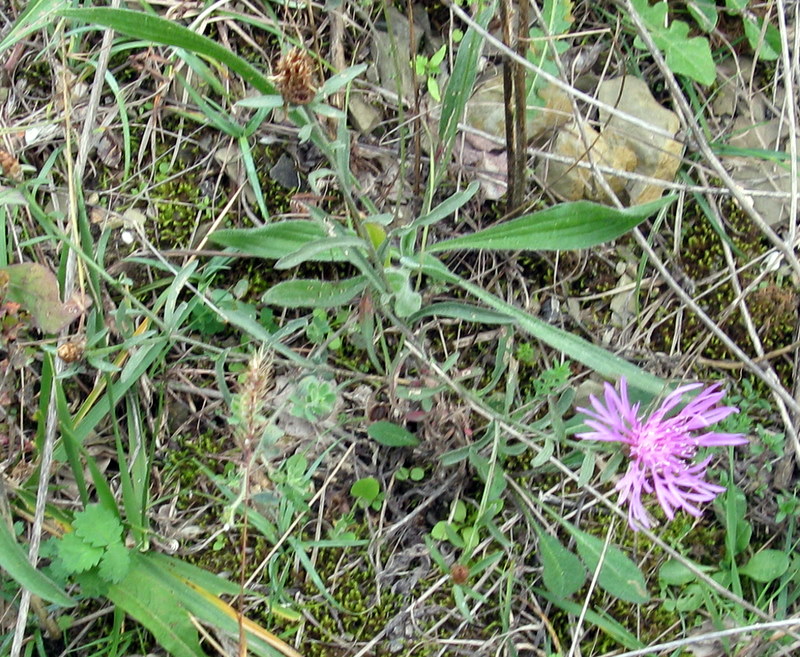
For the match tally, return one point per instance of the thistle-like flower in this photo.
(661, 449)
(294, 77)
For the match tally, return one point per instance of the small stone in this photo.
(573, 182)
(658, 156)
(365, 117)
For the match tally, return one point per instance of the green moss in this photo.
(772, 305)
(362, 609)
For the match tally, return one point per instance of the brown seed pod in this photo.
(10, 166)
(294, 77)
(71, 351)
(459, 573)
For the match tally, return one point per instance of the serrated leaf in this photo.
(97, 526)
(766, 566)
(92, 585)
(684, 56)
(115, 564)
(619, 576)
(76, 554)
(576, 225)
(14, 561)
(562, 571)
(313, 293)
(391, 435)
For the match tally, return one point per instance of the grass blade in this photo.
(169, 33)
(599, 359)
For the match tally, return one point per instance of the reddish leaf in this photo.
(35, 288)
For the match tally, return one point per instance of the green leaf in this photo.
(576, 225)
(599, 359)
(37, 14)
(312, 293)
(336, 82)
(562, 571)
(275, 240)
(179, 592)
(766, 566)
(115, 564)
(433, 89)
(154, 601)
(685, 56)
(366, 489)
(406, 300)
(98, 526)
(460, 84)
(675, 573)
(92, 585)
(324, 246)
(439, 531)
(735, 6)
(438, 57)
(272, 101)
(619, 576)
(654, 16)
(170, 33)
(767, 46)
(76, 554)
(391, 435)
(461, 310)
(444, 209)
(704, 13)
(14, 561)
(602, 620)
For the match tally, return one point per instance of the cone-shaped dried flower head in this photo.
(294, 77)
(661, 447)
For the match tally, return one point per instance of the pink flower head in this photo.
(661, 448)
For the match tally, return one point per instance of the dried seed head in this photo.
(69, 352)
(294, 77)
(459, 573)
(250, 402)
(10, 166)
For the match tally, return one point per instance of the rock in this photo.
(364, 116)
(764, 135)
(755, 174)
(623, 304)
(658, 156)
(744, 116)
(573, 182)
(485, 110)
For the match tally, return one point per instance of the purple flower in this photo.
(661, 448)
